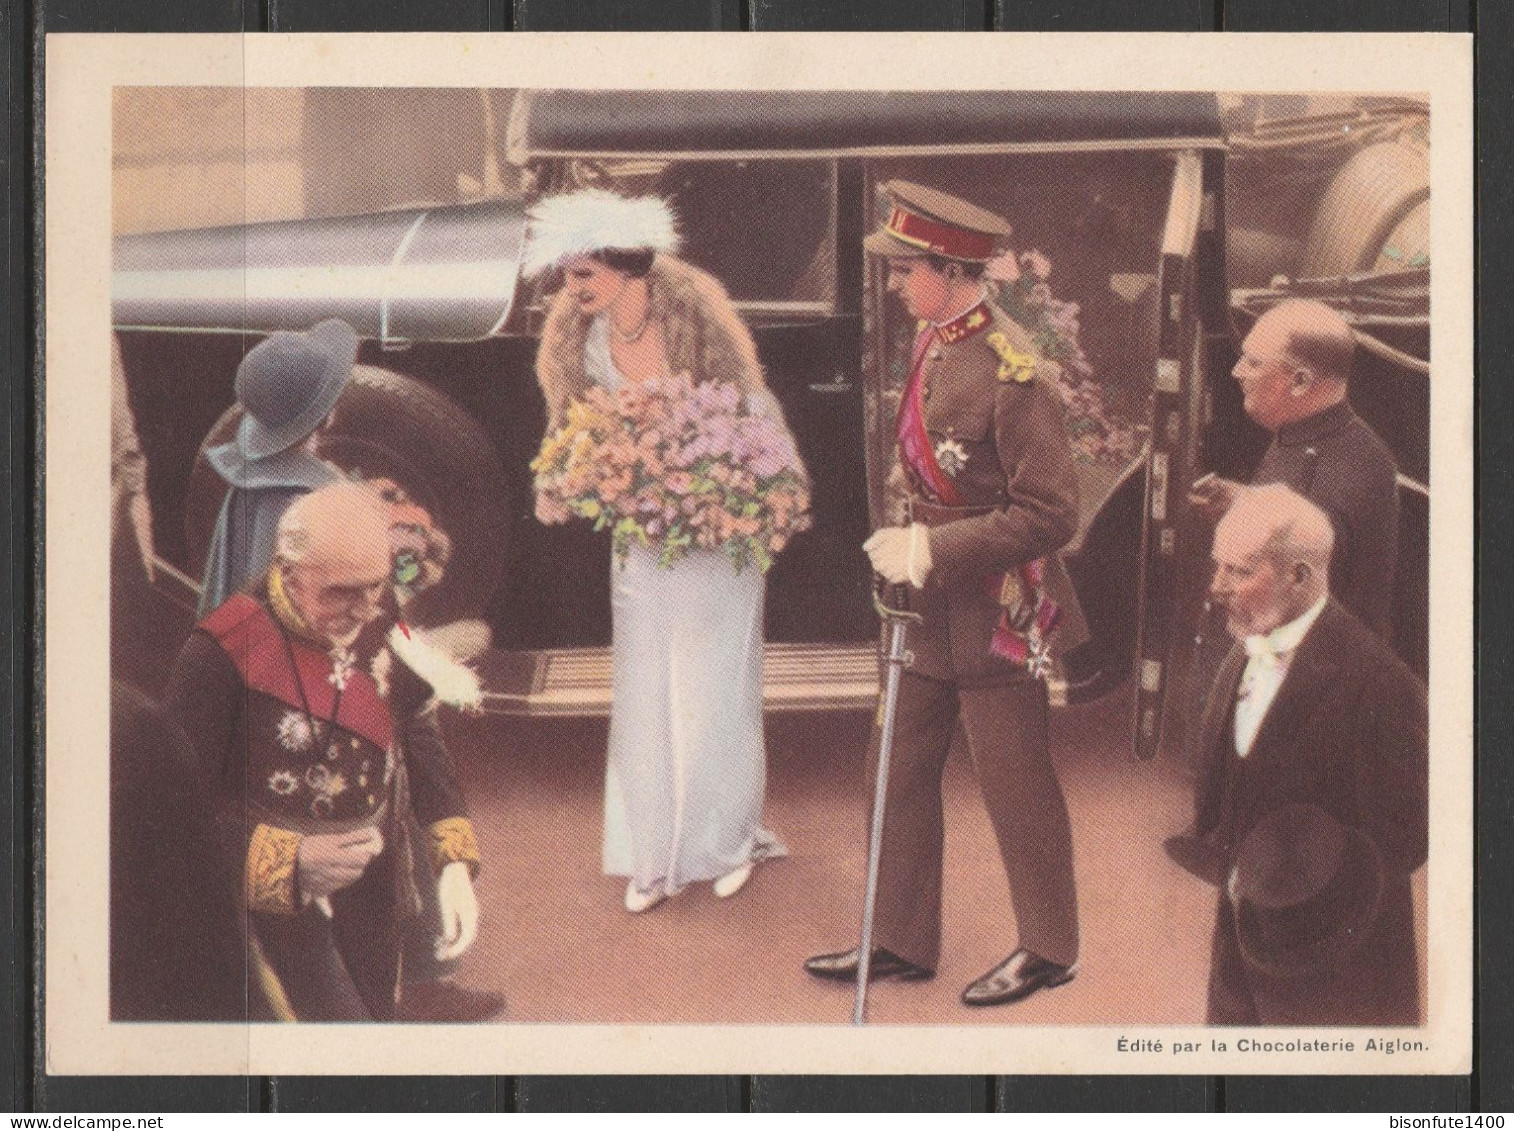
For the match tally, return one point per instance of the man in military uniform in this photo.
(992, 497)
(317, 735)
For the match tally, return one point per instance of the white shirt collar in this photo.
(1285, 637)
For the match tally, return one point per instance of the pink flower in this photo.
(550, 509)
(1036, 264)
(1003, 268)
(667, 457)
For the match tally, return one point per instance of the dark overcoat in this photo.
(1348, 732)
(1337, 462)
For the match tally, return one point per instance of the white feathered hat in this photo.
(590, 220)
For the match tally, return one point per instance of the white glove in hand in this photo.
(327, 862)
(919, 555)
(459, 907)
(900, 554)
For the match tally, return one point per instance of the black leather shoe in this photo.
(1016, 978)
(886, 965)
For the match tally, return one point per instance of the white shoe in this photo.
(733, 881)
(638, 900)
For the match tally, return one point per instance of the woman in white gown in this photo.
(686, 774)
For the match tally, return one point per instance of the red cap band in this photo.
(942, 239)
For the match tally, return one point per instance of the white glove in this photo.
(459, 907)
(901, 553)
(328, 862)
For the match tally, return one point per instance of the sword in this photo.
(897, 618)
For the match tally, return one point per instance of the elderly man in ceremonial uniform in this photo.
(991, 498)
(318, 732)
(1314, 788)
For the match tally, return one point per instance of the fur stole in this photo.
(704, 336)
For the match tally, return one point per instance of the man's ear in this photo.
(1303, 572)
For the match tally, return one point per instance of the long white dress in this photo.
(687, 767)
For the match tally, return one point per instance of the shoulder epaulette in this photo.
(1014, 364)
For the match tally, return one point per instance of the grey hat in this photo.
(288, 383)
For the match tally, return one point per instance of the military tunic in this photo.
(298, 740)
(995, 426)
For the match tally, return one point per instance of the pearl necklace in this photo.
(635, 335)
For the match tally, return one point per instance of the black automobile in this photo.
(1123, 206)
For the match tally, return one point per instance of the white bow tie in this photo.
(1261, 651)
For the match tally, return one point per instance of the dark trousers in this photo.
(344, 968)
(1007, 733)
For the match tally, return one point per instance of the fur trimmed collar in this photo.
(702, 332)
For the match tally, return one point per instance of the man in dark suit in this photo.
(1310, 708)
(1293, 373)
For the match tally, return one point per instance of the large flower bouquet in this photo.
(678, 465)
(1100, 434)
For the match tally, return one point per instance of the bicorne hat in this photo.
(288, 383)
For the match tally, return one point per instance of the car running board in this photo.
(575, 682)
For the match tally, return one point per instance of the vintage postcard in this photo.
(736, 554)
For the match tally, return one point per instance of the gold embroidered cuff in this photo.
(270, 870)
(452, 840)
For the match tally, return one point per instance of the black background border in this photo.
(25, 1086)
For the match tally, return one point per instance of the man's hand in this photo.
(328, 862)
(901, 554)
(1212, 496)
(459, 908)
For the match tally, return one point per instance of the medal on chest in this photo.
(952, 457)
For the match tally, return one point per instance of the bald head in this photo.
(1315, 336)
(1295, 362)
(333, 553)
(1271, 559)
